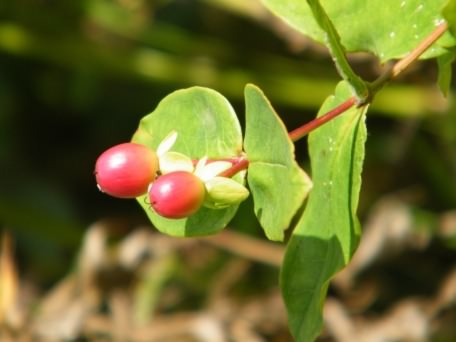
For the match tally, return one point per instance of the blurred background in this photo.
(75, 79)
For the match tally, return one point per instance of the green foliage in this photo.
(328, 232)
(449, 13)
(445, 62)
(119, 48)
(207, 126)
(362, 25)
(332, 40)
(277, 183)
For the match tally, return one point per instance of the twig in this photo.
(378, 84)
(302, 131)
(419, 50)
(241, 164)
(375, 86)
(337, 50)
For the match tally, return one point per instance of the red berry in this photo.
(126, 170)
(177, 194)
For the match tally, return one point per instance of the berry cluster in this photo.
(175, 187)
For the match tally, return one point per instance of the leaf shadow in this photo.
(309, 265)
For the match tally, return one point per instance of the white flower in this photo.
(221, 192)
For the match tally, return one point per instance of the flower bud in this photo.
(223, 192)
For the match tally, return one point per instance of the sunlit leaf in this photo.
(389, 29)
(328, 231)
(277, 183)
(445, 63)
(449, 13)
(206, 125)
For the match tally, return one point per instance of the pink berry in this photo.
(177, 194)
(126, 170)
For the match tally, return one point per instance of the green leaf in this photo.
(337, 50)
(445, 70)
(207, 126)
(388, 29)
(328, 231)
(449, 13)
(277, 183)
(445, 61)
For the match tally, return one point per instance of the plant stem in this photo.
(238, 164)
(233, 160)
(335, 47)
(375, 86)
(394, 71)
(242, 163)
(419, 50)
(302, 131)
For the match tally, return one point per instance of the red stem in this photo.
(302, 131)
(241, 164)
(238, 164)
(298, 133)
(233, 160)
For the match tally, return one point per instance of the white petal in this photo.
(175, 161)
(213, 169)
(167, 143)
(200, 165)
